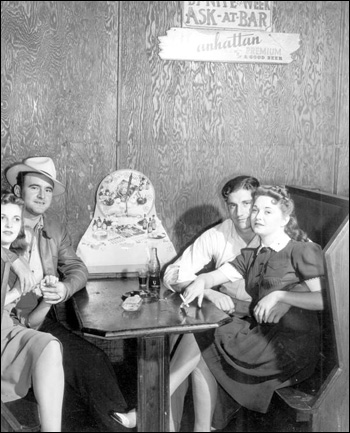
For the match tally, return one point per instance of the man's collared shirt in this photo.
(32, 229)
(221, 244)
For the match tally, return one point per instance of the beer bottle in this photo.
(154, 223)
(154, 271)
(149, 226)
(144, 222)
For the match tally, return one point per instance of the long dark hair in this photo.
(281, 196)
(19, 245)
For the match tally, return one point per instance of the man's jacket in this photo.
(59, 258)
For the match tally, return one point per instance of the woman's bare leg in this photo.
(205, 390)
(48, 385)
(184, 361)
(178, 398)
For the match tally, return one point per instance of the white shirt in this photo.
(33, 254)
(221, 244)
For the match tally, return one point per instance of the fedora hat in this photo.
(37, 164)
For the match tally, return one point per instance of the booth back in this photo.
(319, 214)
(325, 218)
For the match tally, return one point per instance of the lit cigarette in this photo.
(183, 300)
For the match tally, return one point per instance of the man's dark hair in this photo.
(240, 182)
(20, 178)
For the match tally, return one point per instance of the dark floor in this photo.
(278, 419)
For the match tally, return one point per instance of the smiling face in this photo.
(37, 194)
(11, 223)
(239, 204)
(267, 218)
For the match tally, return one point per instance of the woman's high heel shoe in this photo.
(127, 420)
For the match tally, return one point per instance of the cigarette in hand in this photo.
(183, 300)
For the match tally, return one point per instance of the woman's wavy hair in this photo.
(281, 196)
(19, 245)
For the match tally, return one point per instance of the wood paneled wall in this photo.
(59, 80)
(190, 126)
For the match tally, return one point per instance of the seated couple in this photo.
(36, 349)
(277, 343)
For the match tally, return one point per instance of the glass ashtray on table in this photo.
(146, 295)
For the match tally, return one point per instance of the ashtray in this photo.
(132, 303)
(131, 293)
(146, 296)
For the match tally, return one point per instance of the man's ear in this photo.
(17, 190)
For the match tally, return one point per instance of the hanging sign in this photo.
(244, 15)
(228, 31)
(228, 46)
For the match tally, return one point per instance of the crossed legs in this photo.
(188, 360)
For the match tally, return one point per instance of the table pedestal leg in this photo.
(153, 384)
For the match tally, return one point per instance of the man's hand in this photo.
(171, 278)
(53, 291)
(195, 290)
(222, 301)
(24, 274)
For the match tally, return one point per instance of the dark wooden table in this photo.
(99, 311)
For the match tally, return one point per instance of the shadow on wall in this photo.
(193, 223)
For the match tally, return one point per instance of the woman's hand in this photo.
(26, 277)
(277, 312)
(264, 309)
(12, 295)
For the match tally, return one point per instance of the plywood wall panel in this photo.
(28, 67)
(189, 125)
(186, 125)
(59, 80)
(342, 133)
(343, 173)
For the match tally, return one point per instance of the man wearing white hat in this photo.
(87, 368)
(35, 181)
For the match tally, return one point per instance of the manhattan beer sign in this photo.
(203, 38)
(228, 46)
